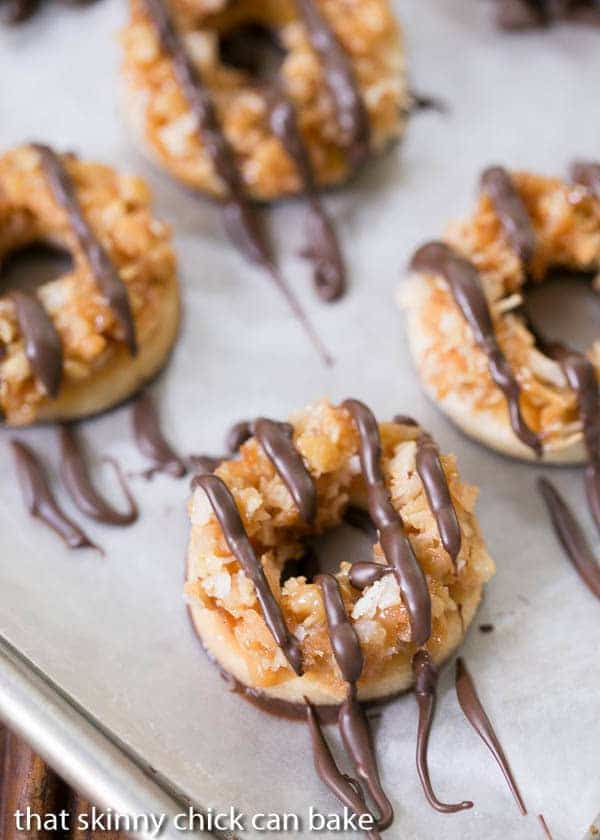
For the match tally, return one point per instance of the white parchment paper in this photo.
(114, 632)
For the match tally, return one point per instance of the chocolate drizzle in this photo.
(525, 14)
(151, 441)
(350, 110)
(352, 721)
(511, 211)
(105, 275)
(276, 440)
(238, 435)
(475, 714)
(394, 542)
(239, 217)
(43, 346)
(225, 509)
(571, 536)
(39, 499)
(323, 249)
(75, 477)
(344, 787)
(587, 173)
(581, 376)
(426, 677)
(344, 641)
(437, 491)
(465, 286)
(366, 573)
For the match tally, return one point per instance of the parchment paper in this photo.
(114, 632)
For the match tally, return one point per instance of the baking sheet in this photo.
(113, 633)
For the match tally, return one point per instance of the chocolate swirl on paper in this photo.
(344, 787)
(475, 714)
(43, 346)
(465, 286)
(394, 542)
(352, 721)
(436, 488)
(105, 275)
(581, 376)
(151, 441)
(511, 211)
(350, 110)
(587, 173)
(426, 677)
(225, 509)
(323, 248)
(571, 536)
(75, 477)
(240, 218)
(39, 499)
(276, 440)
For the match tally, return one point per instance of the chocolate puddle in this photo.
(394, 542)
(239, 217)
(465, 286)
(75, 477)
(225, 509)
(40, 501)
(105, 275)
(475, 714)
(426, 677)
(571, 536)
(151, 441)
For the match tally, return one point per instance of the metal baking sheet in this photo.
(112, 634)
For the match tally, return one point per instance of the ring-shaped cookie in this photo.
(252, 517)
(88, 339)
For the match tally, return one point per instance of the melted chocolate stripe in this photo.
(511, 211)
(365, 573)
(571, 536)
(426, 677)
(238, 435)
(276, 441)
(394, 542)
(39, 500)
(356, 735)
(587, 173)
(323, 249)
(105, 275)
(345, 788)
(581, 376)
(239, 217)
(151, 441)
(351, 112)
(75, 477)
(475, 714)
(437, 491)
(43, 346)
(225, 509)
(344, 641)
(465, 286)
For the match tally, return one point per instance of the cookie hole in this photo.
(566, 308)
(253, 49)
(324, 553)
(32, 266)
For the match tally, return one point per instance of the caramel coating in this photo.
(118, 209)
(566, 221)
(326, 438)
(159, 113)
